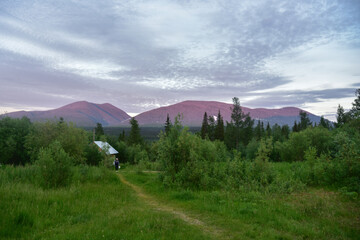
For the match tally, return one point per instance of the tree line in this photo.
(236, 154)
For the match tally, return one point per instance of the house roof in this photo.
(104, 145)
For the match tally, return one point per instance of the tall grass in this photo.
(94, 206)
(307, 213)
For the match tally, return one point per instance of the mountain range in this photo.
(88, 114)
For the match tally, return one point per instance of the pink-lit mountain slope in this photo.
(82, 113)
(193, 112)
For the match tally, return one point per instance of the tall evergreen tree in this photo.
(285, 131)
(246, 132)
(355, 110)
(211, 128)
(122, 136)
(341, 116)
(134, 136)
(324, 123)
(204, 126)
(295, 128)
(236, 123)
(304, 120)
(268, 130)
(167, 125)
(99, 131)
(219, 129)
(257, 131)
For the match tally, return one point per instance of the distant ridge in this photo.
(193, 112)
(87, 114)
(82, 113)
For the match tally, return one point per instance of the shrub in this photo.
(92, 155)
(54, 166)
(73, 140)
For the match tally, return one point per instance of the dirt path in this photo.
(151, 201)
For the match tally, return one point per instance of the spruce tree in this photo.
(134, 136)
(219, 129)
(211, 128)
(233, 130)
(268, 130)
(122, 136)
(285, 131)
(304, 120)
(295, 128)
(204, 126)
(99, 131)
(324, 123)
(167, 125)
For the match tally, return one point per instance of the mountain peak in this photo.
(82, 113)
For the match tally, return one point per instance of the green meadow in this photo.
(97, 205)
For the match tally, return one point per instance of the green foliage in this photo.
(134, 136)
(54, 166)
(167, 124)
(12, 140)
(240, 130)
(251, 149)
(219, 128)
(187, 159)
(99, 131)
(73, 140)
(204, 127)
(261, 171)
(304, 121)
(92, 155)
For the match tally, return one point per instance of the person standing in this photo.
(116, 164)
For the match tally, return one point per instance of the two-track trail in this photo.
(214, 231)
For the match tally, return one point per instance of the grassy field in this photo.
(98, 207)
(309, 214)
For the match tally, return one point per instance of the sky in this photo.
(140, 55)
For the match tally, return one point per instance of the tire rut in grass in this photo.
(151, 201)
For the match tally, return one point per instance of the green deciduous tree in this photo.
(12, 140)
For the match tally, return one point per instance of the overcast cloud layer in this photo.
(139, 55)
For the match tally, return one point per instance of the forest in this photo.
(242, 156)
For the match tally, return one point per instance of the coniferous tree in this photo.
(211, 128)
(233, 129)
(276, 132)
(167, 125)
(304, 121)
(219, 129)
(99, 131)
(268, 130)
(204, 127)
(324, 123)
(246, 132)
(355, 110)
(285, 131)
(134, 136)
(257, 131)
(341, 116)
(122, 136)
(295, 128)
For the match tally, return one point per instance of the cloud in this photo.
(142, 54)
